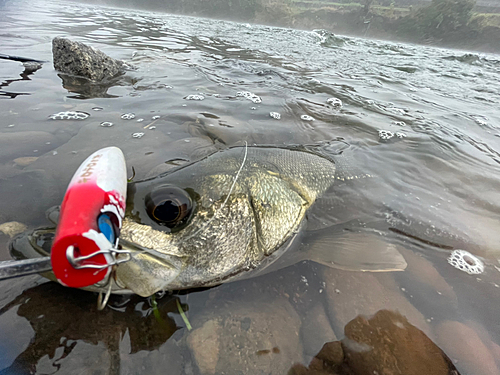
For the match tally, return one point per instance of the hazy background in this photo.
(466, 24)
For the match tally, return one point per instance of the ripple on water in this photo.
(69, 115)
(399, 123)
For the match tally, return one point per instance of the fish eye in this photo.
(169, 205)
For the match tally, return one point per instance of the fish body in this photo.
(225, 215)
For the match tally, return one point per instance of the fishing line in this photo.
(228, 195)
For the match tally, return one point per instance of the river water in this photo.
(423, 121)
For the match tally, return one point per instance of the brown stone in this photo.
(25, 161)
(422, 270)
(12, 228)
(251, 338)
(205, 345)
(330, 357)
(350, 294)
(387, 344)
(316, 330)
(466, 348)
(328, 361)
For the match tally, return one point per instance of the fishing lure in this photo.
(85, 245)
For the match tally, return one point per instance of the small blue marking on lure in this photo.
(106, 227)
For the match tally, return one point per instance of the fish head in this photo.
(190, 228)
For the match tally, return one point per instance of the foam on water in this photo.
(194, 97)
(250, 96)
(465, 261)
(128, 116)
(335, 102)
(385, 134)
(69, 115)
(306, 118)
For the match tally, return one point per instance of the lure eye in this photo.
(168, 205)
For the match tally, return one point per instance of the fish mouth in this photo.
(145, 271)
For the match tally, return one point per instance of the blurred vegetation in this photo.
(453, 23)
(439, 19)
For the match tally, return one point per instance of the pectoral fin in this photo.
(356, 251)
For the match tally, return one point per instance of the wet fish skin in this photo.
(248, 202)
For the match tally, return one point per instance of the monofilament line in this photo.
(228, 194)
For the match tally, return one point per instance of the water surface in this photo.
(436, 181)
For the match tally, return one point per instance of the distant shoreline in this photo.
(469, 31)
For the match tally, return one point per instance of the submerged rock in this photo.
(388, 344)
(25, 161)
(247, 338)
(78, 59)
(350, 294)
(464, 346)
(12, 228)
(316, 330)
(329, 361)
(384, 344)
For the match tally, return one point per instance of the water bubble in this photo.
(253, 109)
(69, 115)
(97, 109)
(140, 120)
(401, 135)
(10, 126)
(152, 127)
(385, 134)
(336, 102)
(250, 96)
(194, 97)
(128, 116)
(465, 261)
(155, 117)
(306, 118)
(137, 135)
(275, 115)
(106, 124)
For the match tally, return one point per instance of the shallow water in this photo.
(436, 182)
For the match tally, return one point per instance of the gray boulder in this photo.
(78, 59)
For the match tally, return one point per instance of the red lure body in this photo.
(98, 186)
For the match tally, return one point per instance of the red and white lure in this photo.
(85, 246)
